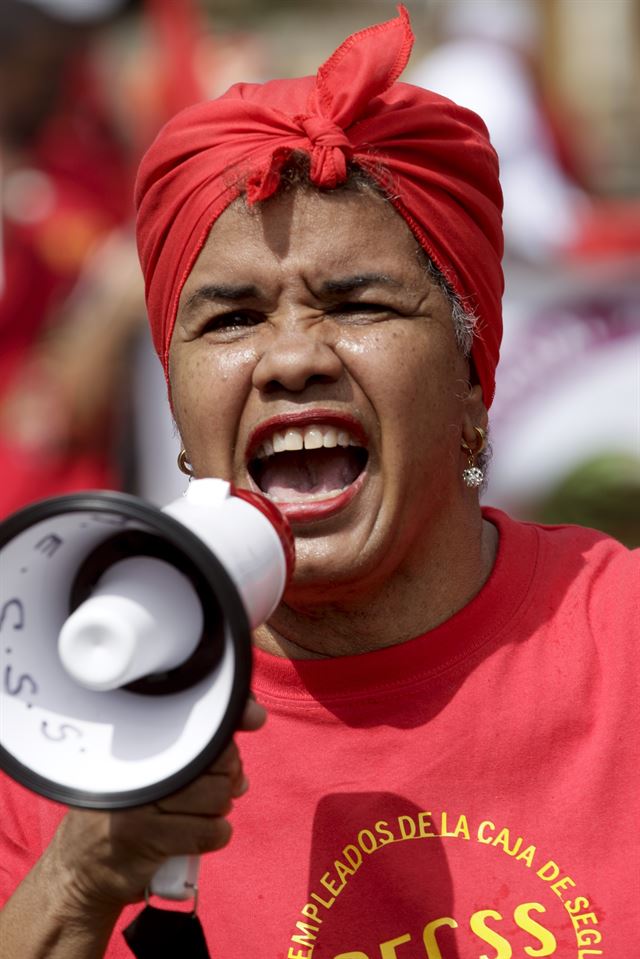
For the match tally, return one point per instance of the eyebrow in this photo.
(350, 284)
(226, 292)
(234, 293)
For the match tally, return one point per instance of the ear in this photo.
(474, 414)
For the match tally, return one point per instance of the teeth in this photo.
(293, 440)
(309, 497)
(310, 438)
(313, 438)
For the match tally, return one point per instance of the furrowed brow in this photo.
(350, 284)
(227, 293)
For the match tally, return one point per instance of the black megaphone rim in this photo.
(221, 585)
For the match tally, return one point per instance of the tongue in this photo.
(287, 477)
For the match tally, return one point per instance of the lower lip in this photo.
(314, 510)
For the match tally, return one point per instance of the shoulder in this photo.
(603, 559)
(580, 568)
(596, 549)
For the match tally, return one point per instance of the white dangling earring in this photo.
(473, 476)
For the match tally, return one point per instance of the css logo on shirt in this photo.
(482, 924)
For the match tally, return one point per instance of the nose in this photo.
(296, 358)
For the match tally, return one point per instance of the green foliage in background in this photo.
(603, 493)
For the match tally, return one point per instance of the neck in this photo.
(416, 598)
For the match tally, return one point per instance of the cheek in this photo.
(412, 379)
(410, 373)
(209, 392)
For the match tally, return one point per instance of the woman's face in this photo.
(314, 359)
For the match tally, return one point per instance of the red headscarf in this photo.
(437, 159)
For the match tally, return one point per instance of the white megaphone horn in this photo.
(125, 638)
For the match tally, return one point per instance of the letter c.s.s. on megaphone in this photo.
(125, 638)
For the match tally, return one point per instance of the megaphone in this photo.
(125, 636)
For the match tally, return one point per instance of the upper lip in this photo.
(301, 418)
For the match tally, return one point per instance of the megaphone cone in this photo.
(125, 641)
(138, 691)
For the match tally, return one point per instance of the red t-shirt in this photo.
(470, 794)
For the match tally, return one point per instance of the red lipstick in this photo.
(301, 510)
(302, 418)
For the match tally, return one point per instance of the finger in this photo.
(227, 760)
(175, 835)
(254, 716)
(194, 835)
(209, 795)
(212, 791)
(230, 764)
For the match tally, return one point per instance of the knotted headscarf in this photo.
(432, 156)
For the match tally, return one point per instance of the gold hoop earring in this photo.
(184, 465)
(473, 476)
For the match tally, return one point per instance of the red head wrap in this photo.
(439, 163)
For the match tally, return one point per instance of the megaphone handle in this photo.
(177, 878)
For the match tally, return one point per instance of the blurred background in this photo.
(84, 86)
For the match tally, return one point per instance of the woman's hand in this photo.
(109, 858)
(98, 862)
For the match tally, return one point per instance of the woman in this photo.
(445, 766)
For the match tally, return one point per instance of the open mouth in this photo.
(306, 464)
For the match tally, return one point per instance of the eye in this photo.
(235, 321)
(362, 309)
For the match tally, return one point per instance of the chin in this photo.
(328, 573)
